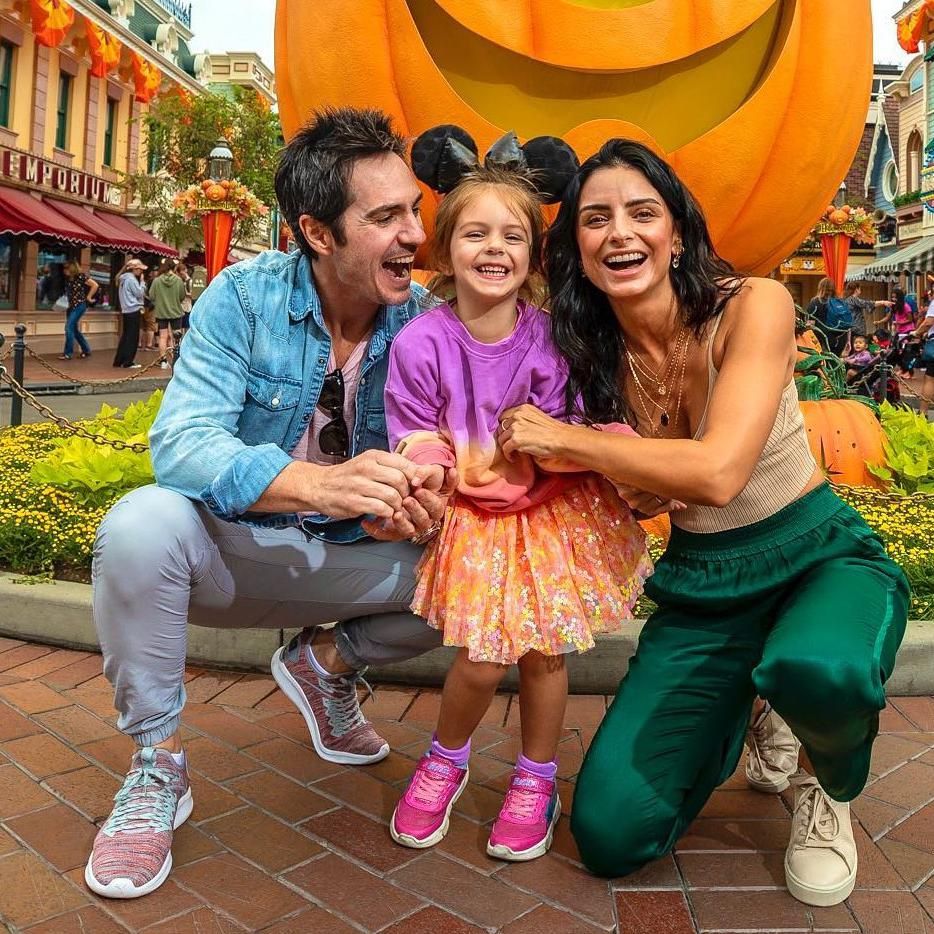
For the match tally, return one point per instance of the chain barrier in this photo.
(71, 378)
(911, 389)
(63, 422)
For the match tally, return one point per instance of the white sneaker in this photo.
(820, 862)
(772, 757)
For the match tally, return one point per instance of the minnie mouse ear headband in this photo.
(443, 155)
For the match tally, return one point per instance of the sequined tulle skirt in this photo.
(545, 579)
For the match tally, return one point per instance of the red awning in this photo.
(103, 233)
(145, 241)
(20, 213)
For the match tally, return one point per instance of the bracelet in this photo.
(424, 537)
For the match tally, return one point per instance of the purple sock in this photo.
(459, 757)
(546, 770)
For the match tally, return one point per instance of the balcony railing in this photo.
(179, 9)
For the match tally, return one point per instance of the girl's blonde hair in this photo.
(71, 268)
(826, 289)
(519, 194)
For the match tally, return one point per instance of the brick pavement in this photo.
(280, 841)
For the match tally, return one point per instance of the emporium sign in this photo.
(50, 176)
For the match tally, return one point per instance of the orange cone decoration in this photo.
(218, 231)
(146, 78)
(51, 20)
(836, 251)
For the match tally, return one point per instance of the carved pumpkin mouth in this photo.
(675, 102)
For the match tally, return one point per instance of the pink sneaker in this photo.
(526, 822)
(132, 852)
(422, 815)
(339, 731)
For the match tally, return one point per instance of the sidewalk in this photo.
(282, 841)
(96, 367)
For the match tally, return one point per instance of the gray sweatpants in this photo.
(162, 561)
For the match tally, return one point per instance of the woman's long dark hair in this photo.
(899, 306)
(584, 327)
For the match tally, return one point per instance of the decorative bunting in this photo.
(147, 79)
(51, 20)
(104, 49)
(912, 28)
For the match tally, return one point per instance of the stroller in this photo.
(877, 380)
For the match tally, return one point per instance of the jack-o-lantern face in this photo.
(750, 100)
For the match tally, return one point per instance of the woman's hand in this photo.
(528, 430)
(646, 505)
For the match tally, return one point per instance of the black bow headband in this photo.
(443, 155)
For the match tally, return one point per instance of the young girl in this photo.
(528, 564)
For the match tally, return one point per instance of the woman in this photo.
(167, 292)
(833, 316)
(925, 332)
(80, 290)
(185, 276)
(770, 584)
(132, 292)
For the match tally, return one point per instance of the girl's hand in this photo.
(646, 505)
(527, 430)
(429, 477)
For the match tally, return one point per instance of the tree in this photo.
(182, 130)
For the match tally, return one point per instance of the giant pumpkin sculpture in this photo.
(759, 104)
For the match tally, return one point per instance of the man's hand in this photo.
(422, 510)
(373, 483)
(646, 505)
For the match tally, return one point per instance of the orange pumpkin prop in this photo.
(843, 435)
(747, 98)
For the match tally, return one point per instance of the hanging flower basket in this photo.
(230, 196)
(853, 222)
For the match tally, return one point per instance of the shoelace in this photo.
(823, 824)
(521, 805)
(340, 702)
(145, 802)
(427, 787)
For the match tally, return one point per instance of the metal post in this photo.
(19, 366)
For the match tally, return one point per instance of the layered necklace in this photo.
(663, 388)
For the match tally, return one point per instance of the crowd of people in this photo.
(898, 331)
(154, 304)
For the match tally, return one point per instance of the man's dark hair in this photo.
(314, 171)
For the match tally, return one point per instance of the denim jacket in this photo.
(247, 383)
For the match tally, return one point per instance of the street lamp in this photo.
(220, 161)
(840, 200)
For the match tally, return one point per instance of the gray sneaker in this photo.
(339, 731)
(773, 753)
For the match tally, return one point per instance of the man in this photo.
(167, 292)
(269, 447)
(863, 310)
(131, 292)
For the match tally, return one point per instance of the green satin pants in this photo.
(803, 608)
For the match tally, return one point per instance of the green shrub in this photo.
(909, 451)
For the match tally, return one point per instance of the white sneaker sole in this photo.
(533, 852)
(293, 691)
(123, 887)
(404, 839)
(820, 896)
(768, 788)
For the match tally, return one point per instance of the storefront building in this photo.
(73, 87)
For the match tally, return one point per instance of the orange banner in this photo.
(51, 20)
(104, 49)
(217, 227)
(146, 78)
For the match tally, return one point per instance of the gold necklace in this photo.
(644, 396)
(669, 364)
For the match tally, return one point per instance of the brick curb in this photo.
(59, 613)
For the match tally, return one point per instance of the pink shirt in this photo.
(307, 448)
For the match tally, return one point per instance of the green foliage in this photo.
(96, 474)
(910, 197)
(909, 451)
(184, 132)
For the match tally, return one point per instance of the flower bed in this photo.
(49, 513)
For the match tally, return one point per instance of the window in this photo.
(916, 81)
(157, 140)
(890, 181)
(50, 271)
(111, 132)
(61, 115)
(9, 270)
(6, 81)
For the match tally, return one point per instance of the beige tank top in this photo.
(783, 470)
